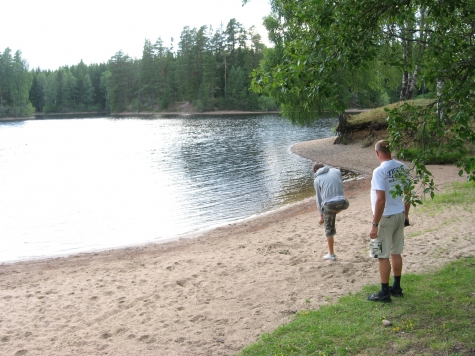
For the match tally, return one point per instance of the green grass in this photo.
(376, 118)
(458, 194)
(431, 157)
(435, 317)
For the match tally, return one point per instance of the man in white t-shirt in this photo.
(390, 215)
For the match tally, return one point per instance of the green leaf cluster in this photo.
(328, 52)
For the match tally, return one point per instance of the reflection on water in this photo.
(75, 185)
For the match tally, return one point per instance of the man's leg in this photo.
(330, 245)
(384, 232)
(329, 216)
(396, 258)
(384, 270)
(396, 261)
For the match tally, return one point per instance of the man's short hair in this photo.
(383, 147)
(317, 166)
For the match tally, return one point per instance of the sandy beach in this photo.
(215, 293)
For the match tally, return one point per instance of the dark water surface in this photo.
(75, 185)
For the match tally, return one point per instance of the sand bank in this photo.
(215, 294)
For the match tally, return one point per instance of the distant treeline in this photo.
(210, 69)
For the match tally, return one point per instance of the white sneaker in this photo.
(329, 257)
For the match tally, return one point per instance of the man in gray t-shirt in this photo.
(330, 201)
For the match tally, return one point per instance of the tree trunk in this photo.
(440, 110)
(342, 128)
(412, 83)
(404, 85)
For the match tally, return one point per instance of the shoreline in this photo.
(218, 292)
(161, 113)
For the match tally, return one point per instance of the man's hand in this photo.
(406, 222)
(321, 220)
(374, 232)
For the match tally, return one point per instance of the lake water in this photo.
(76, 185)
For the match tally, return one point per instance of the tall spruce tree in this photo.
(121, 82)
(5, 79)
(20, 83)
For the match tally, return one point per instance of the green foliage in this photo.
(105, 85)
(68, 89)
(267, 103)
(435, 314)
(236, 90)
(328, 57)
(122, 82)
(210, 68)
(422, 135)
(52, 93)
(15, 83)
(326, 50)
(430, 156)
(87, 97)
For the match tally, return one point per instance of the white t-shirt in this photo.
(383, 179)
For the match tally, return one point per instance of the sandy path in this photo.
(214, 294)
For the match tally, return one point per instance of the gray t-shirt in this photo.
(328, 186)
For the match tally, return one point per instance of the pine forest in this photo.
(210, 69)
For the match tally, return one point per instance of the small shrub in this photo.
(199, 106)
(430, 156)
(266, 103)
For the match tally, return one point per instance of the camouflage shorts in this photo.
(330, 210)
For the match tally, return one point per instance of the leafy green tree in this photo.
(219, 53)
(104, 86)
(68, 89)
(5, 80)
(193, 46)
(121, 83)
(208, 86)
(148, 77)
(197, 72)
(237, 89)
(315, 60)
(327, 42)
(95, 71)
(234, 32)
(88, 92)
(39, 92)
(446, 125)
(20, 83)
(267, 103)
(52, 93)
(164, 73)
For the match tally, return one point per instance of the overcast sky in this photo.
(53, 33)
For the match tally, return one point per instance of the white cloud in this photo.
(53, 33)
